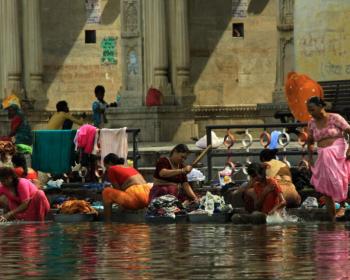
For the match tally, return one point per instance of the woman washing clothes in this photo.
(170, 176)
(280, 171)
(330, 173)
(130, 190)
(264, 193)
(21, 198)
(23, 171)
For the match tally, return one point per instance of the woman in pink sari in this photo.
(330, 174)
(21, 198)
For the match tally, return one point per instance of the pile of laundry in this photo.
(211, 203)
(165, 206)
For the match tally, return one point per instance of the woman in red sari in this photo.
(21, 198)
(170, 176)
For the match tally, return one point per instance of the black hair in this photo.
(268, 154)
(99, 89)
(254, 169)
(19, 160)
(61, 106)
(180, 148)
(113, 159)
(7, 172)
(317, 101)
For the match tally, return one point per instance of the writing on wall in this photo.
(109, 50)
(321, 39)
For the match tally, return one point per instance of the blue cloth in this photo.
(274, 139)
(53, 150)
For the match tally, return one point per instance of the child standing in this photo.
(99, 107)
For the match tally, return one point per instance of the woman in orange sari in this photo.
(280, 171)
(130, 190)
(264, 194)
(23, 171)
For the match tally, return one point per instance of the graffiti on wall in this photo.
(109, 50)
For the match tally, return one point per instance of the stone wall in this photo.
(227, 70)
(73, 68)
(322, 38)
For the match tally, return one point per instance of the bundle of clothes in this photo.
(170, 206)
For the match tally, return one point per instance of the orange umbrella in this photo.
(299, 88)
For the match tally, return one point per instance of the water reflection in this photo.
(182, 251)
(332, 253)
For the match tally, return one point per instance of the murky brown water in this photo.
(183, 251)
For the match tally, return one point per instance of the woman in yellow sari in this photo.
(280, 171)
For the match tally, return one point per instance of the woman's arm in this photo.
(73, 119)
(12, 214)
(310, 149)
(279, 205)
(190, 193)
(166, 173)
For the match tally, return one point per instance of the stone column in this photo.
(182, 46)
(160, 51)
(285, 47)
(12, 50)
(35, 59)
(3, 72)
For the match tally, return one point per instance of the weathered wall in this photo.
(227, 70)
(72, 68)
(322, 36)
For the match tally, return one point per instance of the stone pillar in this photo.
(33, 49)
(285, 47)
(182, 46)
(13, 50)
(160, 52)
(131, 50)
(3, 72)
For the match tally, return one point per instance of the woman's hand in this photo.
(187, 169)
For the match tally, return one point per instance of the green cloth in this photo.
(23, 148)
(53, 150)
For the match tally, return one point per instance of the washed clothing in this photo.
(38, 206)
(114, 141)
(330, 174)
(86, 137)
(53, 150)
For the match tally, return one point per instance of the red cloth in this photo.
(164, 163)
(38, 206)
(153, 97)
(119, 174)
(271, 199)
(32, 175)
(86, 138)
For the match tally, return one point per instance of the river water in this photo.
(175, 251)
